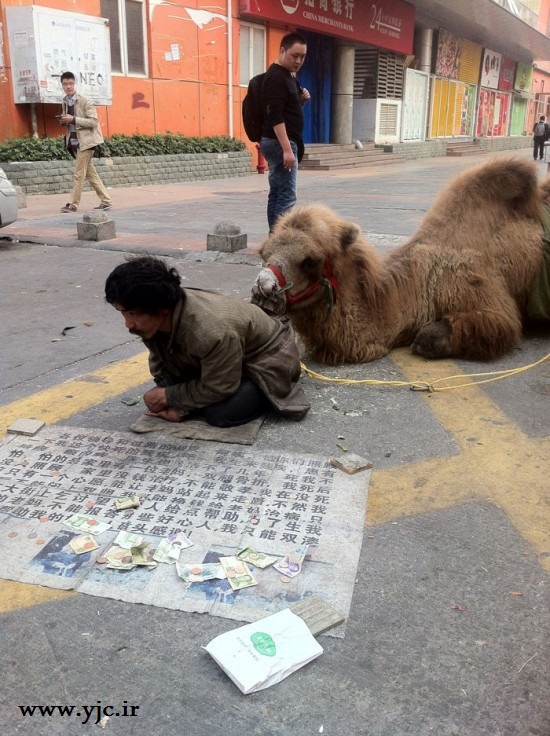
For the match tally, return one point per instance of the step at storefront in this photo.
(328, 156)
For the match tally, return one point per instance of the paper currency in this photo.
(142, 556)
(119, 559)
(167, 552)
(82, 544)
(128, 540)
(180, 539)
(86, 524)
(198, 573)
(291, 565)
(126, 502)
(253, 557)
(237, 572)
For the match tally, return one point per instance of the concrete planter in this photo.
(53, 177)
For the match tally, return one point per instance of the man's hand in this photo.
(288, 156)
(155, 400)
(171, 415)
(289, 160)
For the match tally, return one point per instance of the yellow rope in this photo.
(462, 380)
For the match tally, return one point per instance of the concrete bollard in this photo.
(227, 238)
(96, 226)
(21, 197)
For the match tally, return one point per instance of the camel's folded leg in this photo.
(477, 335)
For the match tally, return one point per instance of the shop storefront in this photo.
(454, 88)
(334, 31)
(521, 97)
(494, 107)
(415, 105)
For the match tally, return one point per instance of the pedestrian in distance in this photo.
(541, 132)
(212, 356)
(82, 136)
(281, 144)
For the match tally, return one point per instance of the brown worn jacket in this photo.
(216, 341)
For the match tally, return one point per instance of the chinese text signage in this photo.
(388, 24)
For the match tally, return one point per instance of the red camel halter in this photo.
(327, 281)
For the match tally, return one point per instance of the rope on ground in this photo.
(461, 380)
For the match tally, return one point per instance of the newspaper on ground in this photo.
(226, 500)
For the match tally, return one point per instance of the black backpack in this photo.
(253, 111)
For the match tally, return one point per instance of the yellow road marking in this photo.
(78, 394)
(14, 596)
(50, 406)
(495, 461)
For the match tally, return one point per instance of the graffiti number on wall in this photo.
(138, 100)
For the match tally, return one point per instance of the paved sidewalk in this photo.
(148, 218)
(177, 218)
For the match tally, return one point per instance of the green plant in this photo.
(33, 149)
(53, 149)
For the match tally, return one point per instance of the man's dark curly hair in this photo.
(144, 284)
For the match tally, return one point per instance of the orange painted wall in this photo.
(186, 90)
(132, 110)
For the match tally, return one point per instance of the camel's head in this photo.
(300, 259)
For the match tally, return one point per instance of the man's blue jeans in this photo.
(282, 183)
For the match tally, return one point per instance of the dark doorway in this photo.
(316, 76)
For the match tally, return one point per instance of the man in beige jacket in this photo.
(83, 134)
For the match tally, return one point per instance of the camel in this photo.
(457, 288)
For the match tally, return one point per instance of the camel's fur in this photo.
(456, 288)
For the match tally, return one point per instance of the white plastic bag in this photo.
(261, 654)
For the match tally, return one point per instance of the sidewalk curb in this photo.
(214, 256)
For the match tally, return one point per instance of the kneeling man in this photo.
(210, 355)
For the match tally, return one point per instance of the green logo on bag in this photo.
(263, 644)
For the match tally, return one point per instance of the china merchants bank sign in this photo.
(388, 24)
